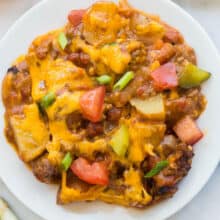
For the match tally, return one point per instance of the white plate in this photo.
(40, 198)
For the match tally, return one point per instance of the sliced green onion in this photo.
(105, 79)
(47, 100)
(123, 82)
(159, 167)
(62, 39)
(66, 162)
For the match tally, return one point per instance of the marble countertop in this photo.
(205, 205)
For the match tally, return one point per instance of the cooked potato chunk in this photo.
(152, 108)
(30, 133)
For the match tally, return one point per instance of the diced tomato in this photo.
(95, 173)
(188, 131)
(75, 17)
(165, 77)
(92, 104)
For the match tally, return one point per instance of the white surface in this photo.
(201, 207)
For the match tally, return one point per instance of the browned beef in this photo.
(114, 114)
(172, 35)
(43, 49)
(192, 103)
(94, 129)
(79, 58)
(45, 171)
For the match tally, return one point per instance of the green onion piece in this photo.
(159, 167)
(123, 82)
(62, 40)
(105, 79)
(66, 162)
(47, 100)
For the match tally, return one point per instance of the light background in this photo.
(206, 205)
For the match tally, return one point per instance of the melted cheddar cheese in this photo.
(31, 139)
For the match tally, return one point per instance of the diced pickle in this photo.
(192, 76)
(120, 141)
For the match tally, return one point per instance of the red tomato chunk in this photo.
(95, 173)
(75, 17)
(165, 77)
(188, 131)
(92, 104)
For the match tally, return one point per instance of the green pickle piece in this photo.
(192, 76)
(120, 141)
(66, 162)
